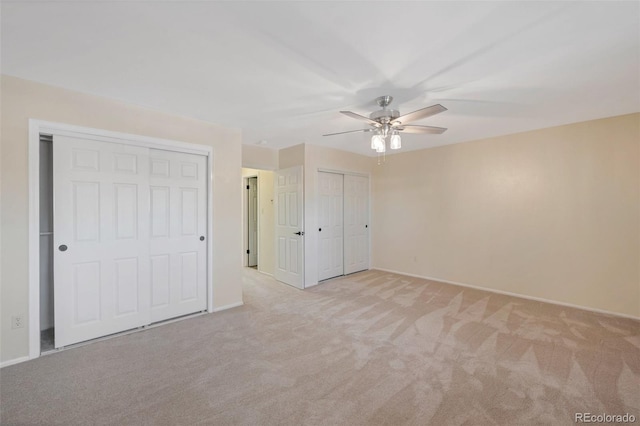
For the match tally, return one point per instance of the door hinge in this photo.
(247, 251)
(247, 186)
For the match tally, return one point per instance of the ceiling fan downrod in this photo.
(384, 101)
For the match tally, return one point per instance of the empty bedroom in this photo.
(319, 213)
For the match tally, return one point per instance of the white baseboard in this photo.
(14, 361)
(265, 273)
(508, 293)
(230, 306)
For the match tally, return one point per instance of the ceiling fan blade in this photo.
(422, 129)
(360, 117)
(350, 131)
(419, 114)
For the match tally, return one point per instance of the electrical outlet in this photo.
(17, 322)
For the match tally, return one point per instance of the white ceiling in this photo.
(281, 71)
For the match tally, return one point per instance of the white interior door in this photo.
(252, 231)
(356, 222)
(289, 226)
(178, 226)
(331, 225)
(101, 239)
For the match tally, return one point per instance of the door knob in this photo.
(319, 229)
(202, 238)
(299, 233)
(62, 247)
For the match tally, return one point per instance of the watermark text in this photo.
(604, 418)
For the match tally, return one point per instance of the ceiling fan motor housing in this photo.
(384, 115)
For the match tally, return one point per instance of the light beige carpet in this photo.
(370, 348)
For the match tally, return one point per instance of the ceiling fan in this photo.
(388, 123)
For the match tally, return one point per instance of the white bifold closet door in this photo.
(124, 237)
(343, 231)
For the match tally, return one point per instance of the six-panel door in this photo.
(289, 226)
(331, 225)
(356, 223)
(177, 222)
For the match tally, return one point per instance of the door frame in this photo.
(245, 220)
(36, 127)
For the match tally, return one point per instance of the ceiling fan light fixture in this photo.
(396, 141)
(382, 146)
(376, 142)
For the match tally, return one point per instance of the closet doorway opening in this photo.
(47, 330)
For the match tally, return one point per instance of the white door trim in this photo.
(344, 172)
(245, 212)
(36, 127)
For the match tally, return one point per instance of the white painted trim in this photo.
(36, 127)
(210, 215)
(509, 293)
(70, 130)
(14, 361)
(344, 172)
(34, 239)
(230, 306)
(245, 219)
(258, 223)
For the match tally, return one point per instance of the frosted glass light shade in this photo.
(396, 142)
(382, 147)
(376, 142)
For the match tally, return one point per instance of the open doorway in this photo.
(252, 222)
(258, 238)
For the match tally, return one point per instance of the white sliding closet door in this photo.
(177, 223)
(101, 239)
(331, 229)
(129, 237)
(356, 223)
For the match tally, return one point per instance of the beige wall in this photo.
(292, 156)
(259, 157)
(22, 100)
(315, 158)
(551, 213)
(267, 243)
(266, 219)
